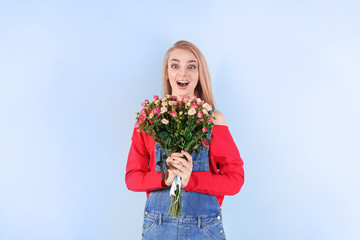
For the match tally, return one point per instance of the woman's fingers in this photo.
(180, 164)
(170, 176)
(188, 156)
(176, 154)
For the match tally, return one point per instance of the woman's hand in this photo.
(179, 166)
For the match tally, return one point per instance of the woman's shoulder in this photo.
(220, 119)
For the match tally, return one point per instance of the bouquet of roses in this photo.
(176, 125)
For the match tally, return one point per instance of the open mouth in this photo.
(182, 83)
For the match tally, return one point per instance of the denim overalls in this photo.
(201, 216)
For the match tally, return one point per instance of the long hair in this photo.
(203, 88)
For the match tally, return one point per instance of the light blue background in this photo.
(73, 73)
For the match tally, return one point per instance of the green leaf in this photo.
(160, 163)
(188, 136)
(163, 134)
(167, 141)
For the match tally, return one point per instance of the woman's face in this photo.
(182, 72)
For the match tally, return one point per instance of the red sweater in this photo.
(226, 175)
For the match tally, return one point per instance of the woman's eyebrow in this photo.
(177, 60)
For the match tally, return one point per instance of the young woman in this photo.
(204, 180)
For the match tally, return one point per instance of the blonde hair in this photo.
(203, 90)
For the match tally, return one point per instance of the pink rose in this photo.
(156, 97)
(156, 111)
(204, 129)
(173, 113)
(197, 121)
(194, 105)
(185, 99)
(199, 114)
(211, 119)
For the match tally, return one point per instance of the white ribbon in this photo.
(176, 182)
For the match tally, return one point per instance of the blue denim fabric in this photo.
(201, 215)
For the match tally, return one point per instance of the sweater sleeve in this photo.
(228, 177)
(138, 176)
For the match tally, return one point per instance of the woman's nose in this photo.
(183, 71)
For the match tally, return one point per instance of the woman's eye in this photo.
(174, 66)
(192, 67)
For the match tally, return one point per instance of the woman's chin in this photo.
(183, 93)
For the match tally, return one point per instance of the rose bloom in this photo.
(173, 113)
(180, 113)
(207, 106)
(205, 111)
(157, 102)
(164, 121)
(170, 103)
(185, 99)
(156, 110)
(199, 114)
(164, 104)
(191, 111)
(188, 103)
(163, 110)
(194, 105)
(211, 119)
(198, 100)
(151, 115)
(156, 97)
(204, 129)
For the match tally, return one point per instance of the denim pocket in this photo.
(148, 226)
(216, 231)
